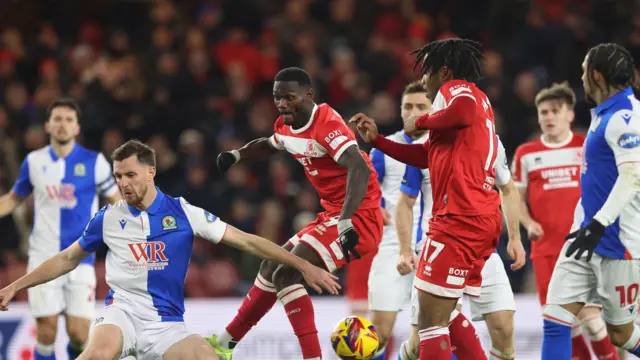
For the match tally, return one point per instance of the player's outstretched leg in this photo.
(500, 325)
(192, 347)
(46, 330)
(259, 300)
(105, 343)
(596, 330)
(297, 302)
(78, 331)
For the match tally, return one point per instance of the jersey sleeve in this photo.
(92, 237)
(503, 175)
(623, 136)
(23, 186)
(105, 183)
(519, 171)
(204, 224)
(411, 181)
(273, 139)
(335, 136)
(378, 161)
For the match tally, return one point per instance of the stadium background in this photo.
(194, 78)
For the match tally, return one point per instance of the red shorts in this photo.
(322, 236)
(543, 268)
(452, 261)
(357, 278)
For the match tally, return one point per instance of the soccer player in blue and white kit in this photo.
(493, 301)
(149, 236)
(66, 180)
(609, 212)
(389, 292)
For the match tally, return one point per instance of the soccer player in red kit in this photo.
(466, 222)
(347, 185)
(547, 172)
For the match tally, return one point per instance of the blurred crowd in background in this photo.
(194, 77)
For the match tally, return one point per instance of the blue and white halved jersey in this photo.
(390, 173)
(613, 139)
(65, 194)
(417, 182)
(149, 252)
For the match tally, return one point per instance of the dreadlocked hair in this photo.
(462, 56)
(614, 62)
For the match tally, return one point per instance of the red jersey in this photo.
(461, 160)
(551, 175)
(317, 146)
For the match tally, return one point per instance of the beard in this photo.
(135, 198)
(62, 141)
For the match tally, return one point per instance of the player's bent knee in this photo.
(47, 329)
(619, 334)
(95, 353)
(267, 268)
(286, 276)
(78, 331)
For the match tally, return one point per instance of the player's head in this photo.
(414, 104)
(134, 167)
(293, 95)
(606, 69)
(555, 109)
(63, 124)
(444, 60)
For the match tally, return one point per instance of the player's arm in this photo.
(459, 114)
(409, 191)
(623, 136)
(358, 173)
(510, 208)
(378, 161)
(520, 177)
(21, 189)
(254, 149)
(8, 203)
(211, 228)
(61, 263)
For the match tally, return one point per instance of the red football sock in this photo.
(435, 343)
(579, 348)
(464, 339)
(258, 302)
(604, 349)
(299, 308)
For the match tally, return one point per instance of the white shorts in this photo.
(388, 290)
(143, 339)
(495, 293)
(72, 293)
(610, 282)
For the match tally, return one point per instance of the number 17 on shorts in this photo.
(442, 270)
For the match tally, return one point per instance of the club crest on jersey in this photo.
(310, 149)
(629, 140)
(209, 216)
(148, 255)
(169, 223)
(79, 170)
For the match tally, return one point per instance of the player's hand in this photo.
(386, 217)
(517, 254)
(6, 295)
(534, 231)
(319, 279)
(348, 239)
(226, 160)
(367, 128)
(586, 239)
(407, 263)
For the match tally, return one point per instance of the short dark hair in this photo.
(462, 56)
(294, 74)
(561, 92)
(65, 102)
(614, 62)
(414, 87)
(143, 152)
